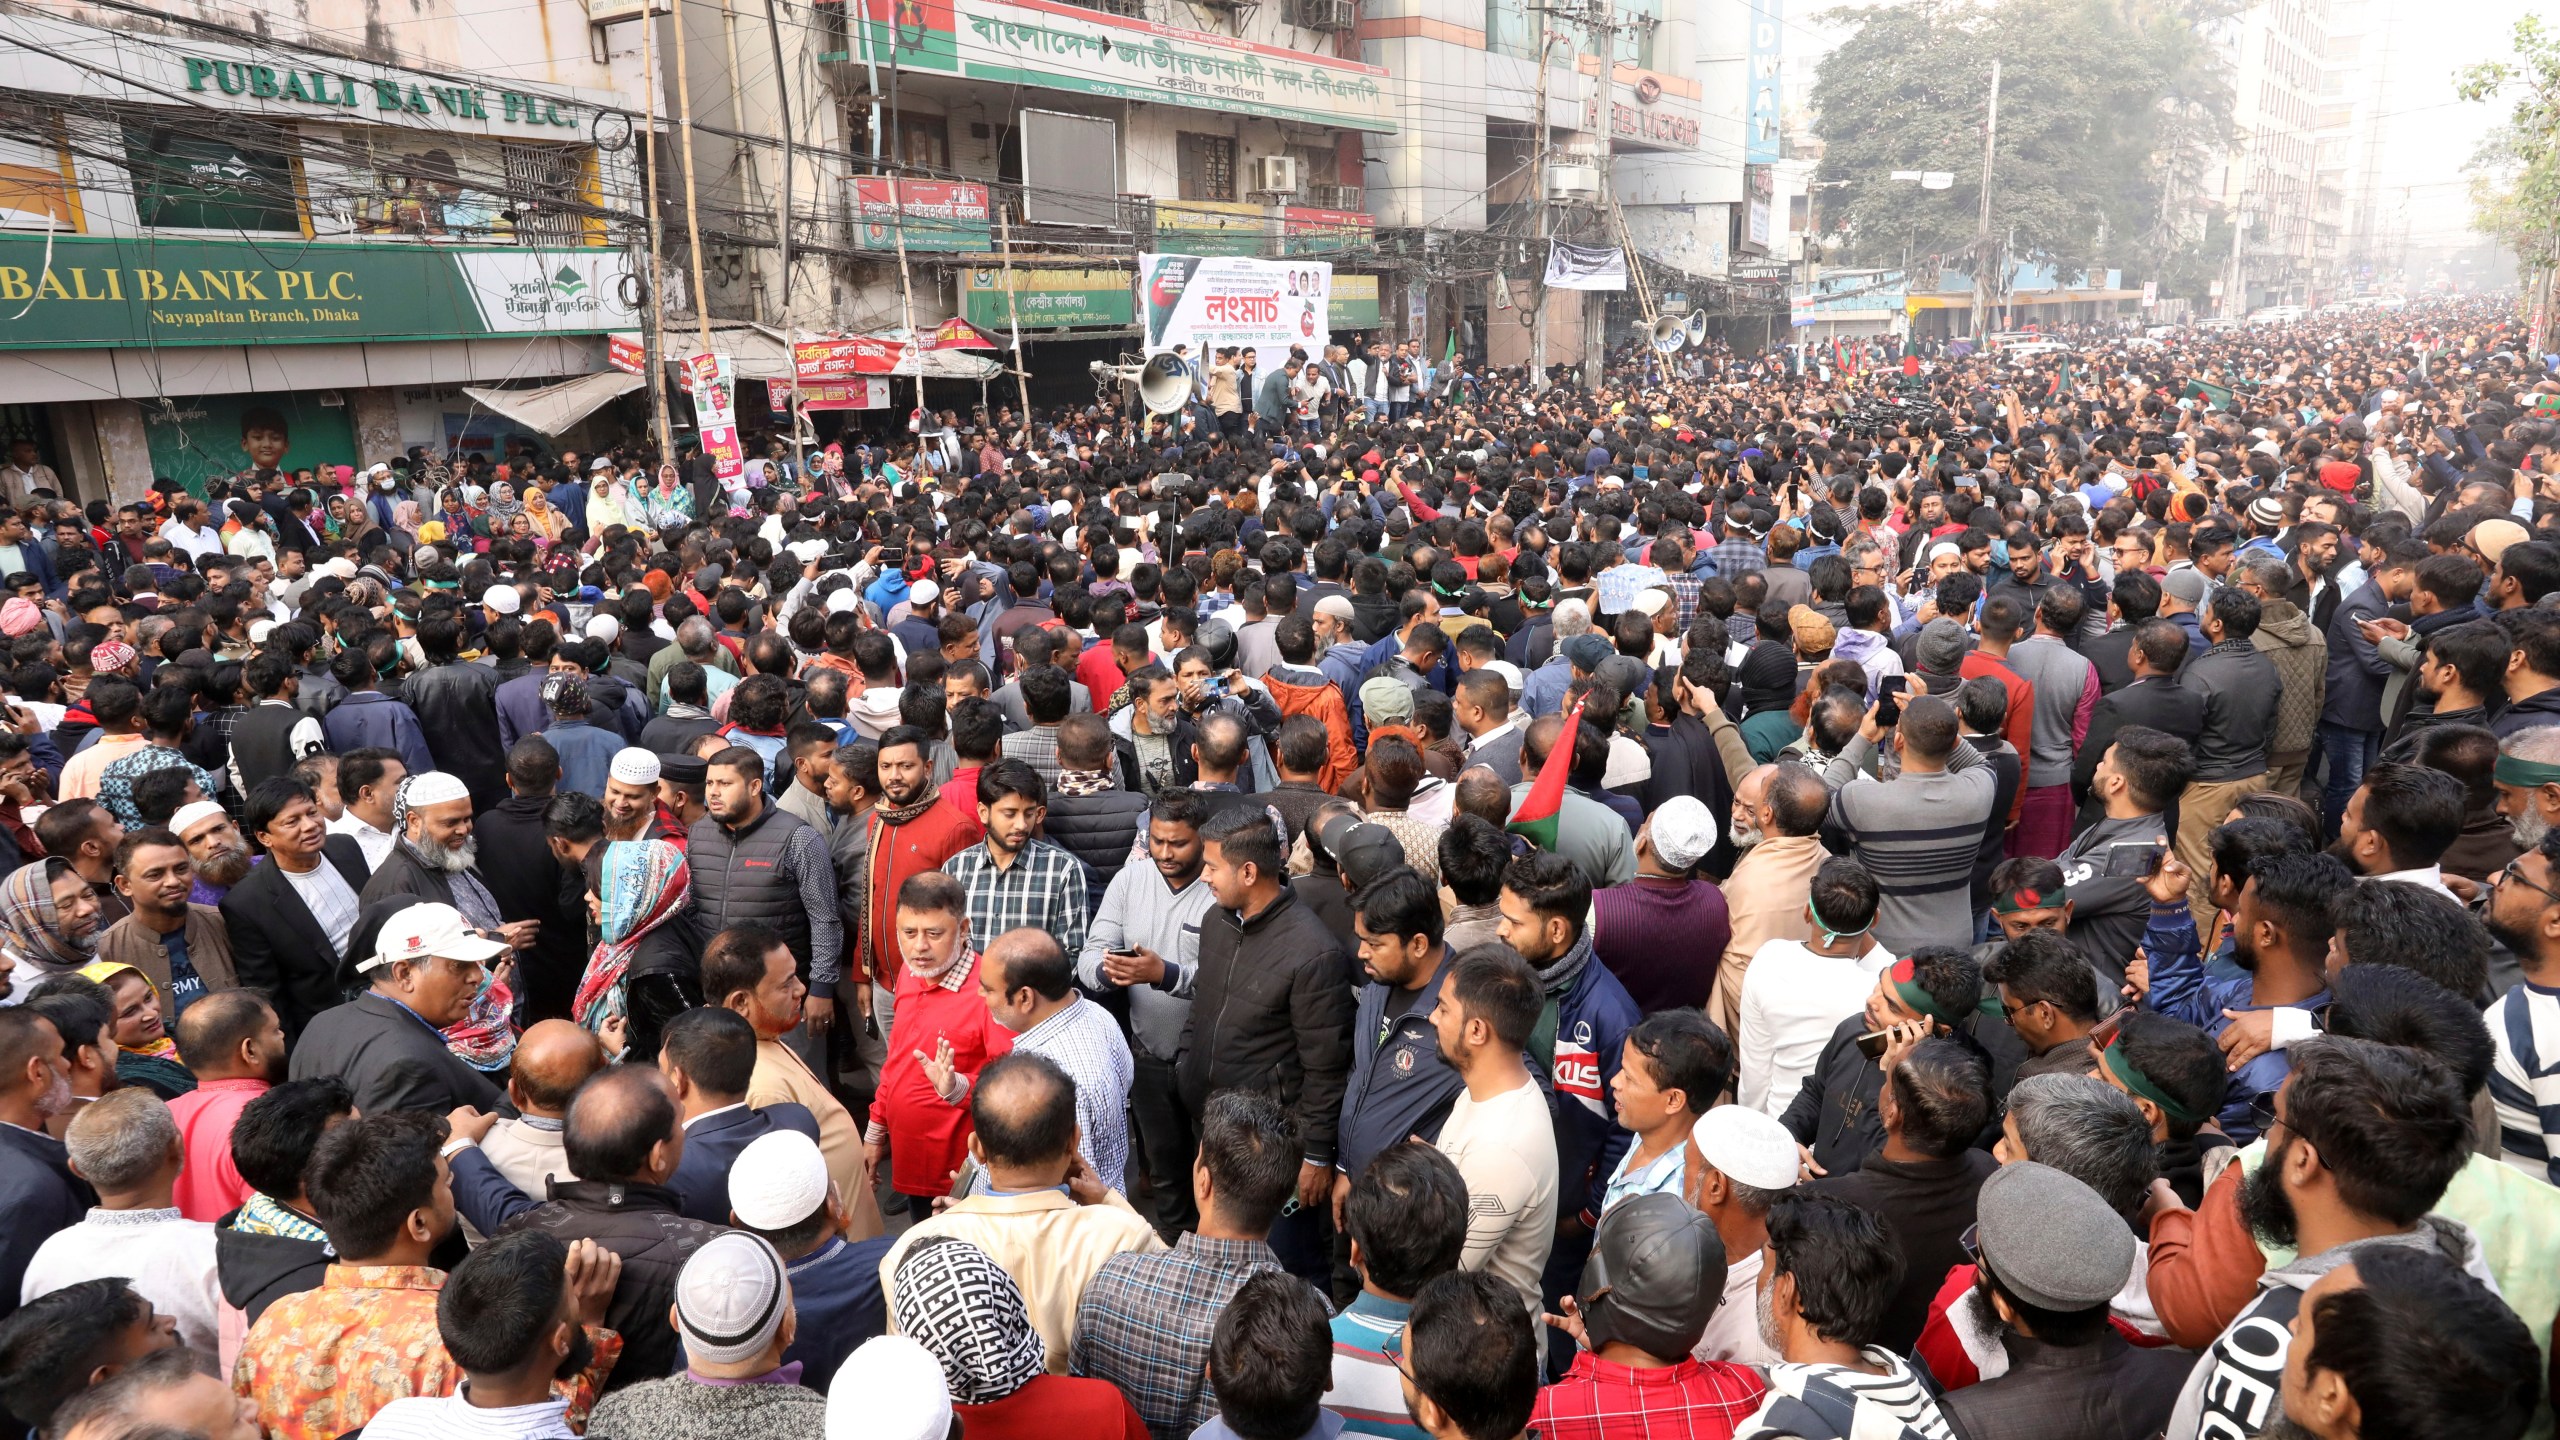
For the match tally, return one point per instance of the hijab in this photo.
(641, 884)
(963, 1308)
(105, 972)
(504, 507)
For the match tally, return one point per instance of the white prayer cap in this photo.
(1749, 1146)
(435, 787)
(502, 600)
(635, 766)
(778, 1181)
(190, 816)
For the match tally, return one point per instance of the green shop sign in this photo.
(107, 292)
(206, 76)
(1047, 299)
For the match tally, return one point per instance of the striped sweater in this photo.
(2525, 1081)
(1917, 834)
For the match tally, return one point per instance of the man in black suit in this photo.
(291, 918)
(38, 1193)
(709, 1054)
(2153, 698)
(2136, 598)
(387, 1043)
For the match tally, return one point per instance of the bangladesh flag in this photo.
(2215, 397)
(2061, 381)
(1541, 813)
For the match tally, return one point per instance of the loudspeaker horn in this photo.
(1667, 334)
(1163, 385)
(1697, 328)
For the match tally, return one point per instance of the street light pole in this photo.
(1982, 258)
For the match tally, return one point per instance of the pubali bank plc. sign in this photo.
(206, 75)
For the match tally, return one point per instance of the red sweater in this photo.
(901, 851)
(927, 1134)
(2019, 726)
(1055, 1407)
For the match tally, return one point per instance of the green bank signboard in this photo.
(1047, 299)
(103, 292)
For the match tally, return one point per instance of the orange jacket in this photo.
(1323, 701)
(2204, 1264)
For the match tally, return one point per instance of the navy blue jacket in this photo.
(1592, 1017)
(711, 1146)
(1400, 1086)
(2353, 698)
(371, 718)
(38, 1196)
(836, 1289)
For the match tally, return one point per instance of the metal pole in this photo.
(692, 213)
(1982, 257)
(1538, 197)
(653, 317)
(1595, 312)
(1012, 312)
(907, 293)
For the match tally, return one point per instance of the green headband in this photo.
(1905, 979)
(2141, 1084)
(2525, 774)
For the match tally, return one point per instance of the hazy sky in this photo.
(2427, 134)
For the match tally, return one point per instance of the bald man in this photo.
(623, 1134)
(552, 1060)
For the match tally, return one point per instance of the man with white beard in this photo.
(1776, 824)
(437, 859)
(213, 842)
(2528, 779)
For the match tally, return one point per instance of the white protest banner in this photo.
(1586, 267)
(1210, 302)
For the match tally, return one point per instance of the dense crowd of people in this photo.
(1997, 897)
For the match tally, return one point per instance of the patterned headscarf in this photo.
(643, 882)
(32, 929)
(958, 1303)
(504, 507)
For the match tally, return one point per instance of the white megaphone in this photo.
(1697, 328)
(1667, 334)
(1163, 384)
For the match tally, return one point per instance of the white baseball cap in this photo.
(430, 929)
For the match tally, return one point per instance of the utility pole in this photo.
(1538, 197)
(2232, 290)
(653, 314)
(1595, 311)
(1012, 310)
(692, 212)
(1982, 256)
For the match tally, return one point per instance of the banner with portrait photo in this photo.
(1586, 267)
(1210, 302)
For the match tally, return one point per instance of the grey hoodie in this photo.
(2237, 1386)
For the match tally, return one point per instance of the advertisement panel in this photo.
(1055, 46)
(842, 357)
(1211, 302)
(1212, 227)
(627, 352)
(203, 438)
(937, 214)
(1047, 299)
(151, 291)
(1761, 110)
(1353, 304)
(1313, 232)
(871, 393)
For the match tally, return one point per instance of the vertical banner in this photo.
(712, 381)
(1762, 114)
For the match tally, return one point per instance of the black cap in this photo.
(1654, 1278)
(684, 769)
(1360, 850)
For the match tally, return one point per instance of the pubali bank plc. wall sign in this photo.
(207, 75)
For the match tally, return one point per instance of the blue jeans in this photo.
(2348, 753)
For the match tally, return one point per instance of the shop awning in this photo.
(552, 409)
(755, 352)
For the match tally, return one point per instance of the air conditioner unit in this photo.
(1277, 174)
(1327, 14)
(1573, 182)
(1334, 197)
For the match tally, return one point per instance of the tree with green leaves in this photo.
(2515, 182)
(2107, 110)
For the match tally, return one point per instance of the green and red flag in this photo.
(1541, 812)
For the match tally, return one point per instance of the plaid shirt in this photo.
(1684, 590)
(1734, 559)
(1086, 1043)
(1045, 889)
(1688, 1401)
(1145, 1320)
(1036, 747)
